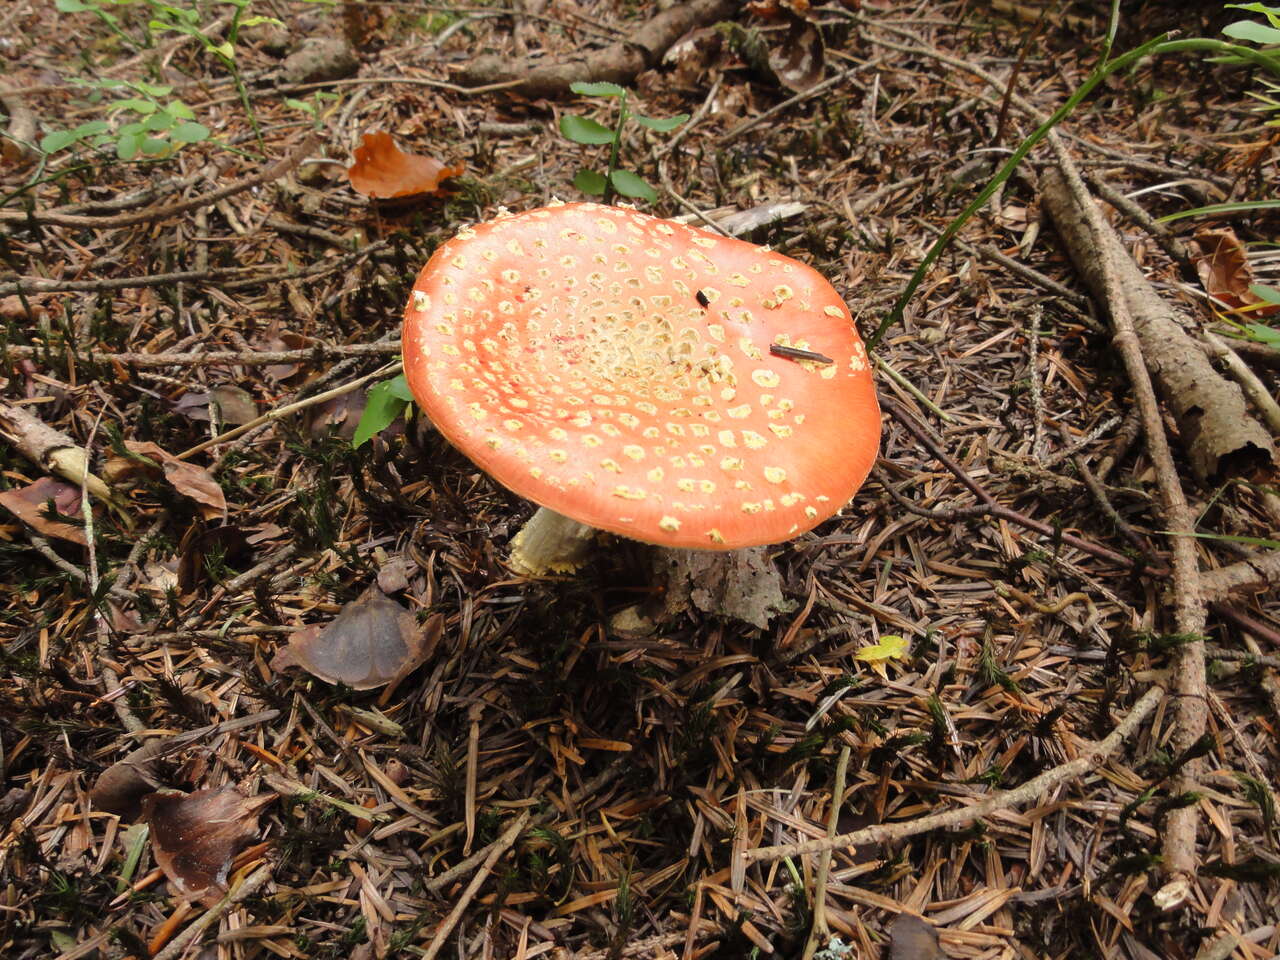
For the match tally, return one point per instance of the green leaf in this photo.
(381, 408)
(131, 129)
(1269, 294)
(177, 108)
(588, 181)
(1252, 32)
(399, 387)
(1271, 13)
(189, 132)
(58, 140)
(600, 88)
(153, 147)
(254, 21)
(137, 105)
(662, 126)
(585, 130)
(629, 185)
(224, 50)
(127, 146)
(1260, 333)
(159, 122)
(1214, 209)
(72, 6)
(300, 105)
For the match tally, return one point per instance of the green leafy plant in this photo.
(386, 401)
(590, 132)
(155, 126)
(157, 129)
(186, 20)
(312, 106)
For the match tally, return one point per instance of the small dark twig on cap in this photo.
(795, 353)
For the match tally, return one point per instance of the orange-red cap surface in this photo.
(616, 368)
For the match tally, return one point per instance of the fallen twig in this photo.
(619, 62)
(320, 351)
(1089, 758)
(273, 172)
(503, 844)
(1190, 709)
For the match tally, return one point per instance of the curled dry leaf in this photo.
(122, 786)
(372, 642)
(188, 479)
(195, 836)
(1225, 273)
(383, 171)
(911, 938)
(798, 61)
(30, 505)
(233, 405)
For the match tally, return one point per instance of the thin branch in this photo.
(1089, 759)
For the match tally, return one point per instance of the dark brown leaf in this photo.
(911, 938)
(234, 404)
(1225, 272)
(30, 505)
(195, 836)
(384, 171)
(188, 479)
(122, 785)
(372, 642)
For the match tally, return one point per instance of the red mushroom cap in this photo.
(617, 368)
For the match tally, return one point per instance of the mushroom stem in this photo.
(550, 543)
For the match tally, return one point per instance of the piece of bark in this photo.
(1258, 573)
(737, 584)
(319, 60)
(619, 62)
(18, 146)
(1220, 438)
(49, 448)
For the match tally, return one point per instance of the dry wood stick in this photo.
(1090, 758)
(1190, 708)
(503, 844)
(271, 415)
(821, 930)
(273, 172)
(247, 888)
(320, 351)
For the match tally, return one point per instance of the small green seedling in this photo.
(157, 126)
(312, 106)
(584, 130)
(387, 400)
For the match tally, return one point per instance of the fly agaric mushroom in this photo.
(642, 377)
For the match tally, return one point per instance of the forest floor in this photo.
(546, 782)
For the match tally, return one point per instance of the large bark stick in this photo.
(619, 62)
(1221, 438)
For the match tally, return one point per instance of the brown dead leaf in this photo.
(188, 479)
(195, 836)
(694, 56)
(911, 938)
(1225, 272)
(384, 171)
(799, 60)
(372, 642)
(122, 786)
(233, 405)
(30, 505)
